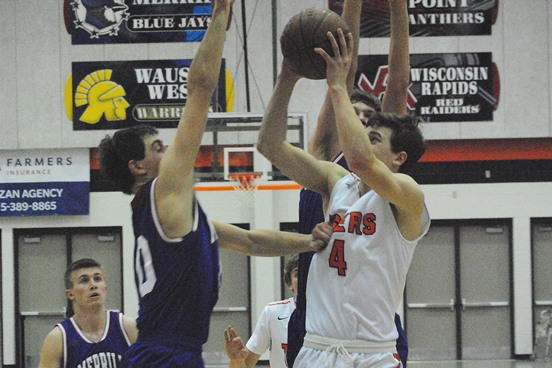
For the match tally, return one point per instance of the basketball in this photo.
(305, 31)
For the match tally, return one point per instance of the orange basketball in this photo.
(305, 31)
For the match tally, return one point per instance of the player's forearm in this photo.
(269, 243)
(237, 363)
(352, 135)
(398, 60)
(352, 10)
(206, 64)
(324, 144)
(274, 125)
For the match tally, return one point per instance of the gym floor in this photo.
(466, 364)
(483, 364)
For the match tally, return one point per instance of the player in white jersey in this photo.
(270, 331)
(378, 215)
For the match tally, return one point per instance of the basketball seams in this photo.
(303, 33)
(313, 60)
(314, 57)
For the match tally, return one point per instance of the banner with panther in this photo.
(429, 17)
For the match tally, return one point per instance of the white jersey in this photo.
(271, 332)
(356, 283)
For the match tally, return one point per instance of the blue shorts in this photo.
(149, 354)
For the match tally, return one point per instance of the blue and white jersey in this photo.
(81, 352)
(177, 279)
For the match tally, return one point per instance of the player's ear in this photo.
(69, 294)
(400, 158)
(135, 167)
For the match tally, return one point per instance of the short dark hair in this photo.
(77, 265)
(291, 264)
(370, 99)
(115, 153)
(406, 136)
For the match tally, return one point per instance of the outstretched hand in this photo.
(235, 348)
(321, 235)
(337, 67)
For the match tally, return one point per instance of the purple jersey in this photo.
(80, 352)
(178, 282)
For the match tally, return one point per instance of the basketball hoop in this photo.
(246, 184)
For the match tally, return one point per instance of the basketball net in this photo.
(247, 185)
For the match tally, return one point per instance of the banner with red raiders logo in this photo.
(118, 94)
(135, 21)
(429, 17)
(452, 87)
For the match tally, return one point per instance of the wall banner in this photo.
(452, 87)
(45, 182)
(429, 17)
(135, 21)
(119, 94)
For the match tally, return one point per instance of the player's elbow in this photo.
(201, 80)
(266, 147)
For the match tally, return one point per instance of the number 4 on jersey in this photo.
(337, 257)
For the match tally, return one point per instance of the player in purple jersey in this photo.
(177, 270)
(93, 336)
(324, 145)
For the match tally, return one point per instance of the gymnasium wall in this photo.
(35, 60)
(37, 54)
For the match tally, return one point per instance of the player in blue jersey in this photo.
(324, 145)
(93, 336)
(177, 265)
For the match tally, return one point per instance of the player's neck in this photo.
(363, 189)
(92, 323)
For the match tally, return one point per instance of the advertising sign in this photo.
(119, 94)
(136, 21)
(44, 182)
(429, 17)
(444, 87)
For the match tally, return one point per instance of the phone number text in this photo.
(25, 206)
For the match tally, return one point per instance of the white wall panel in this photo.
(549, 69)
(37, 57)
(38, 68)
(8, 76)
(525, 75)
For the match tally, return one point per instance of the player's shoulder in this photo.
(279, 303)
(279, 306)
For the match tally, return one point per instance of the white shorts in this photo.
(309, 358)
(312, 354)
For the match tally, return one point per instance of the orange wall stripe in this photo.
(488, 150)
(437, 151)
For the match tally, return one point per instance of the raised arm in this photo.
(397, 188)
(174, 190)
(396, 92)
(294, 162)
(324, 144)
(270, 243)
